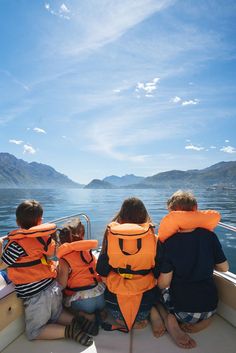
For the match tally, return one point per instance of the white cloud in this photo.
(176, 99)
(195, 148)
(228, 149)
(62, 12)
(39, 130)
(29, 149)
(212, 147)
(227, 141)
(148, 87)
(16, 142)
(190, 102)
(64, 8)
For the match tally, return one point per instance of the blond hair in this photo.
(182, 201)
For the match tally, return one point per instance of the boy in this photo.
(25, 257)
(187, 261)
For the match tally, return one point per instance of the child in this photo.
(127, 260)
(83, 287)
(187, 261)
(25, 257)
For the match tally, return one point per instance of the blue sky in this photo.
(101, 87)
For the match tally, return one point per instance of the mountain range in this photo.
(16, 173)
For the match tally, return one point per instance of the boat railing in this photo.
(68, 218)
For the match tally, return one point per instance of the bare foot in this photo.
(180, 337)
(199, 326)
(158, 327)
(140, 324)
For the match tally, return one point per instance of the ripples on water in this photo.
(102, 205)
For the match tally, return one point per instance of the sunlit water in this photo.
(102, 205)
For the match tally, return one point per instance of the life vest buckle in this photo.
(125, 275)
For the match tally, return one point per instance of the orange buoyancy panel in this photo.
(176, 221)
(40, 230)
(82, 263)
(131, 250)
(33, 266)
(79, 245)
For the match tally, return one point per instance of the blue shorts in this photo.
(41, 309)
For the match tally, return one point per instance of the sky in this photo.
(112, 87)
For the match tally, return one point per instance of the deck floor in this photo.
(219, 337)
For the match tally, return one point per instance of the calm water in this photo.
(101, 206)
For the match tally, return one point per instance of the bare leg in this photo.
(181, 338)
(65, 318)
(51, 332)
(158, 327)
(199, 326)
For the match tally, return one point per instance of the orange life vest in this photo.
(37, 244)
(82, 263)
(131, 250)
(176, 221)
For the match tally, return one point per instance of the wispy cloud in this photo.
(190, 102)
(176, 99)
(29, 149)
(228, 149)
(15, 80)
(16, 142)
(194, 148)
(62, 12)
(39, 130)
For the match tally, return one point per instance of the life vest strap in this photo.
(26, 264)
(126, 272)
(77, 289)
(121, 244)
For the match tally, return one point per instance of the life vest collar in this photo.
(79, 245)
(129, 231)
(176, 221)
(40, 230)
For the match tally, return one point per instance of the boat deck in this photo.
(219, 337)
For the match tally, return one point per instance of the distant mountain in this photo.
(126, 180)
(99, 184)
(222, 174)
(16, 173)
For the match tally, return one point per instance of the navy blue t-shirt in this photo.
(192, 257)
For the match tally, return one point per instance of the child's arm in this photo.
(222, 267)
(164, 280)
(3, 265)
(63, 273)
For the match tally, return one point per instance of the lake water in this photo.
(102, 205)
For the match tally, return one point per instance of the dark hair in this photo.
(182, 201)
(132, 211)
(71, 231)
(28, 213)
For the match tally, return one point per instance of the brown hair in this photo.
(132, 211)
(72, 231)
(182, 201)
(28, 213)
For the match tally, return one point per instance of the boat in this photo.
(219, 337)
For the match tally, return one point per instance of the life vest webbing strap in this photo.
(77, 289)
(83, 258)
(139, 245)
(44, 243)
(129, 271)
(26, 264)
